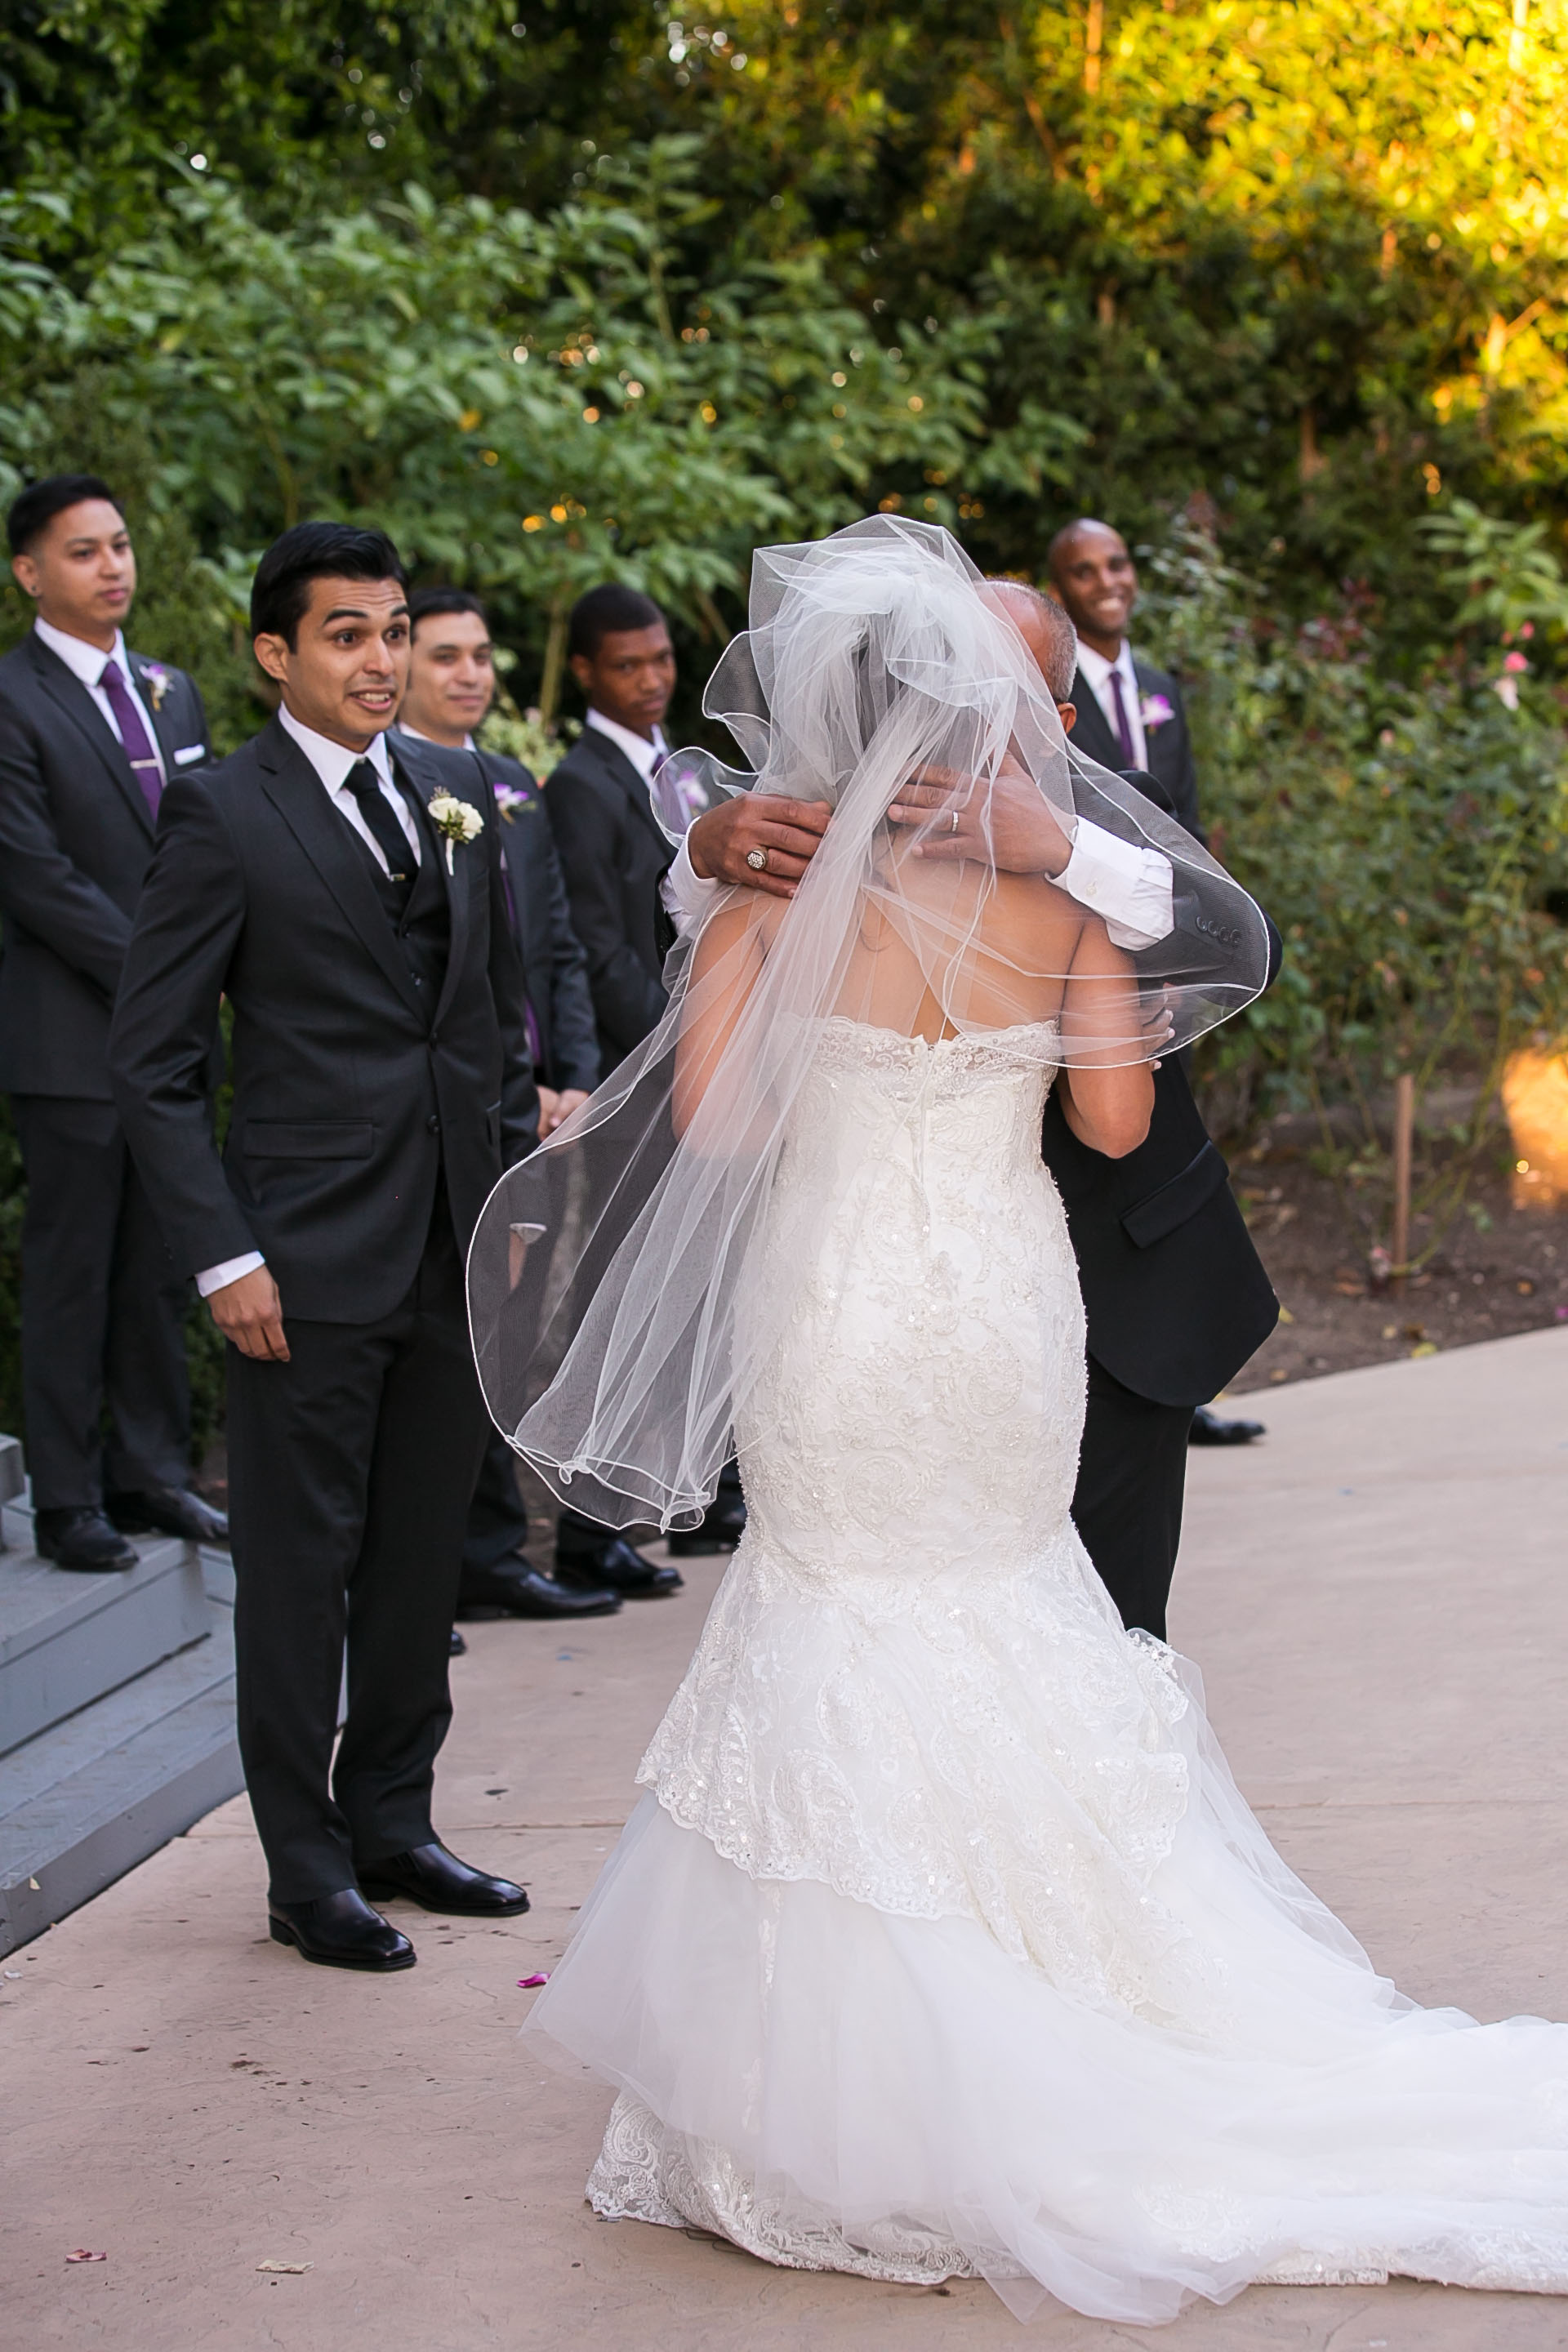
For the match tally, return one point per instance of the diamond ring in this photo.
(757, 859)
(954, 825)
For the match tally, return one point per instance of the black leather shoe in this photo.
(1208, 1429)
(168, 1511)
(341, 1931)
(83, 1537)
(622, 1567)
(436, 1879)
(722, 1525)
(513, 1586)
(460, 1648)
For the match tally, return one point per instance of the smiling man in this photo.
(350, 905)
(90, 734)
(1130, 714)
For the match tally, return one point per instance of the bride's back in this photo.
(942, 947)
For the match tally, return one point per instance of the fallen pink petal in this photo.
(527, 1984)
(80, 2254)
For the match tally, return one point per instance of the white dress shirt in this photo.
(88, 663)
(331, 763)
(644, 756)
(1096, 670)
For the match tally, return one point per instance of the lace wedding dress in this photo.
(941, 1943)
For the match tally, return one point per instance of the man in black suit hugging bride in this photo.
(349, 903)
(1175, 1296)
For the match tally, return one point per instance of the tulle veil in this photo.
(604, 1273)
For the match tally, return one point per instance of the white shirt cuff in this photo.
(218, 1277)
(687, 896)
(1130, 888)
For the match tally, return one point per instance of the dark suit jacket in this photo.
(1174, 1294)
(614, 853)
(1170, 746)
(352, 1092)
(76, 841)
(555, 969)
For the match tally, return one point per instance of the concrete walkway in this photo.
(1378, 1602)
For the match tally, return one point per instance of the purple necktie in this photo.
(134, 735)
(1123, 731)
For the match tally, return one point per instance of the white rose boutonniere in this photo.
(158, 682)
(454, 821)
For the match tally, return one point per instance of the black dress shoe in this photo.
(341, 1931)
(81, 1537)
(513, 1586)
(1208, 1429)
(723, 1523)
(431, 1876)
(622, 1567)
(168, 1511)
(460, 1648)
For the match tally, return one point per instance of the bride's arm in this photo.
(1108, 1109)
(725, 966)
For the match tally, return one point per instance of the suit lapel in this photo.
(67, 691)
(455, 882)
(639, 793)
(1092, 733)
(296, 793)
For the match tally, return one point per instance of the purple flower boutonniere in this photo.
(508, 798)
(156, 677)
(1154, 710)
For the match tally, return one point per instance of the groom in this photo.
(349, 904)
(1175, 1297)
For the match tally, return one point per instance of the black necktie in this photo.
(390, 838)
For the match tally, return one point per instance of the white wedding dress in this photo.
(943, 1943)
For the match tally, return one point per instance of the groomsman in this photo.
(451, 685)
(349, 902)
(90, 734)
(1131, 717)
(617, 853)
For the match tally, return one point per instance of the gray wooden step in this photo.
(86, 1800)
(66, 1638)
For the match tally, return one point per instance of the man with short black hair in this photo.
(90, 734)
(350, 904)
(613, 849)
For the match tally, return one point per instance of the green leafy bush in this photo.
(1408, 834)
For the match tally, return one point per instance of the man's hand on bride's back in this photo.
(786, 832)
(1011, 826)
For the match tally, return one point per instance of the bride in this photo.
(941, 1943)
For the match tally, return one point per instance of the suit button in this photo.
(433, 1125)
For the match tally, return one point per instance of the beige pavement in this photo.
(1378, 1600)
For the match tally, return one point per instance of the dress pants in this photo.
(497, 1523)
(103, 1313)
(351, 1469)
(1127, 1505)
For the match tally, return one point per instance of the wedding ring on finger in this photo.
(757, 859)
(954, 824)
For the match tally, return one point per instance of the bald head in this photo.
(1045, 629)
(1094, 576)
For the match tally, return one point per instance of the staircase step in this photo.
(66, 1638)
(85, 1801)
